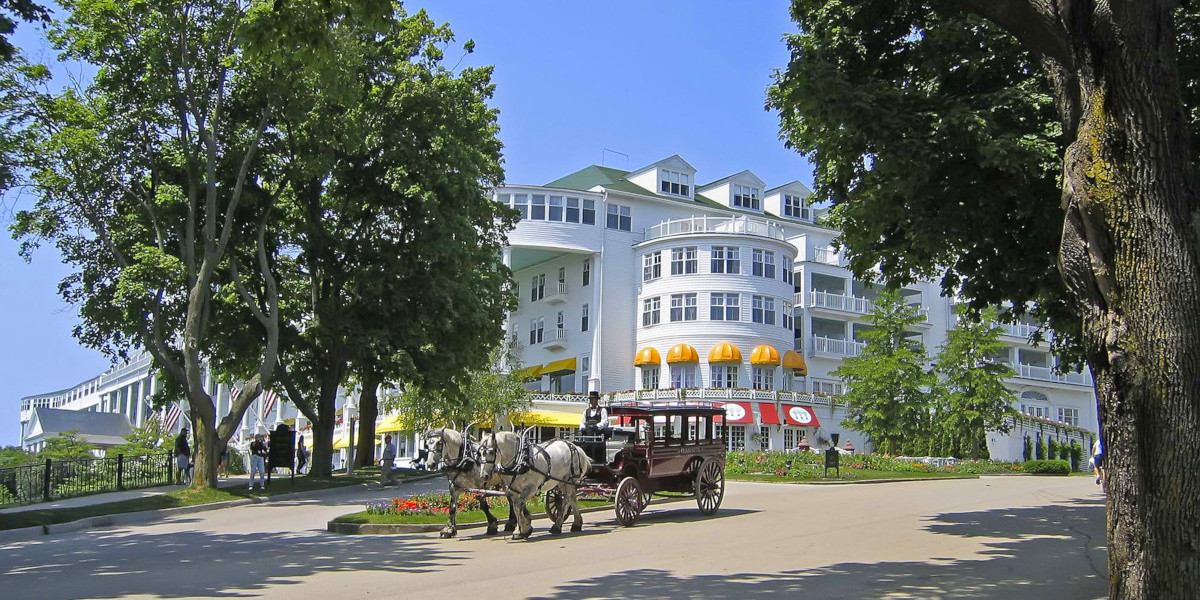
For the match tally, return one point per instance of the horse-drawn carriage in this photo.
(656, 448)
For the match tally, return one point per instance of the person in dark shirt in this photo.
(183, 456)
(258, 461)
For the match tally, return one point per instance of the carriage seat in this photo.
(622, 438)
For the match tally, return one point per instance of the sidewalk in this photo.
(106, 497)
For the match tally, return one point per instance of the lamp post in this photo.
(350, 411)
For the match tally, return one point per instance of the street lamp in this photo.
(350, 411)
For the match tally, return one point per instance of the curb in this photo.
(859, 481)
(394, 528)
(131, 518)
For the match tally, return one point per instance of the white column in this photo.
(597, 316)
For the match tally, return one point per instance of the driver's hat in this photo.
(593, 395)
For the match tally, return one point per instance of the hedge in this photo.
(1048, 467)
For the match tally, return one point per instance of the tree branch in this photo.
(1036, 23)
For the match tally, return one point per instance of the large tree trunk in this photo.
(323, 424)
(368, 410)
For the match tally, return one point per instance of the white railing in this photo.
(842, 302)
(707, 224)
(1023, 330)
(827, 256)
(552, 397)
(836, 346)
(559, 338)
(718, 394)
(1048, 374)
(562, 287)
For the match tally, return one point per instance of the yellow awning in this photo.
(683, 353)
(395, 422)
(340, 441)
(546, 418)
(765, 355)
(528, 372)
(566, 364)
(792, 360)
(725, 352)
(647, 357)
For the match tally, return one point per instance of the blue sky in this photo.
(643, 79)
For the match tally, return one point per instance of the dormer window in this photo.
(745, 196)
(795, 207)
(675, 183)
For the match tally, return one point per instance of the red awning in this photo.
(737, 412)
(769, 415)
(800, 416)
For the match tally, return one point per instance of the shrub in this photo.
(236, 464)
(1027, 453)
(1051, 448)
(1048, 467)
(1076, 455)
(1064, 452)
(1041, 449)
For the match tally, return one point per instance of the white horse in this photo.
(526, 470)
(457, 457)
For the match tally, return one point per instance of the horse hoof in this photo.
(447, 534)
(555, 530)
(492, 531)
(509, 529)
(576, 528)
(516, 537)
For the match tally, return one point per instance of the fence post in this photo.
(120, 471)
(46, 482)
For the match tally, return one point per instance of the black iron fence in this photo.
(54, 479)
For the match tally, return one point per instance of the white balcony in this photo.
(555, 340)
(1024, 331)
(835, 346)
(558, 293)
(840, 302)
(707, 224)
(828, 256)
(1047, 374)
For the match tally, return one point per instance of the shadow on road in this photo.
(122, 564)
(1051, 553)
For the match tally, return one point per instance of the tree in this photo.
(147, 181)
(1030, 150)
(151, 437)
(887, 384)
(972, 398)
(67, 445)
(487, 394)
(13, 456)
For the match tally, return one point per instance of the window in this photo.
(828, 388)
(650, 307)
(764, 378)
(762, 310)
(1040, 412)
(764, 438)
(787, 316)
(562, 275)
(723, 376)
(587, 271)
(562, 323)
(537, 288)
(745, 196)
(536, 329)
(683, 376)
(572, 210)
(585, 369)
(786, 268)
(674, 183)
(1070, 416)
(789, 438)
(583, 324)
(724, 307)
(683, 260)
(652, 266)
(763, 263)
(725, 259)
(649, 378)
(793, 206)
(556, 208)
(537, 209)
(737, 438)
(589, 212)
(619, 218)
(516, 332)
(683, 307)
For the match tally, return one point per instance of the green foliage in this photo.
(1076, 455)
(150, 438)
(65, 446)
(486, 393)
(10, 12)
(1052, 448)
(1027, 449)
(810, 465)
(887, 385)
(237, 463)
(1048, 467)
(972, 396)
(13, 456)
(1040, 453)
(1064, 451)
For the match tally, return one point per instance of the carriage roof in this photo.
(635, 408)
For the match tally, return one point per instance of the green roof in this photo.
(588, 178)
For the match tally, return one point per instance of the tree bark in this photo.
(368, 410)
(1129, 259)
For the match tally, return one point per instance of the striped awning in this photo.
(765, 355)
(792, 360)
(647, 357)
(683, 353)
(725, 352)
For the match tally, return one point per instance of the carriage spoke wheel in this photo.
(710, 486)
(556, 503)
(629, 501)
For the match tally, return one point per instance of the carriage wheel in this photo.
(710, 486)
(629, 501)
(556, 503)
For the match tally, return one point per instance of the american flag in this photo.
(233, 395)
(173, 414)
(269, 401)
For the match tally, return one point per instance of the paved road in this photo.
(1003, 537)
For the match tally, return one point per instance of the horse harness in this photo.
(523, 463)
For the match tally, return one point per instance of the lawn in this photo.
(185, 497)
(850, 475)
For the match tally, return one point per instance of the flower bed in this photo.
(432, 504)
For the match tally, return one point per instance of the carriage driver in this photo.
(595, 418)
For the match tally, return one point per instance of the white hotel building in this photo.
(639, 283)
(644, 284)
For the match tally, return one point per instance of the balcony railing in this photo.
(707, 224)
(555, 340)
(558, 293)
(827, 256)
(1048, 374)
(553, 397)
(720, 394)
(835, 346)
(1024, 330)
(842, 302)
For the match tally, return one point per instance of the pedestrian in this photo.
(258, 461)
(223, 466)
(183, 455)
(1098, 461)
(386, 463)
(301, 456)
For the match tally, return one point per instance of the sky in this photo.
(619, 83)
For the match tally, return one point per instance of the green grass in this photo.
(184, 497)
(466, 516)
(851, 475)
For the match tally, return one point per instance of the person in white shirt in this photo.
(595, 419)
